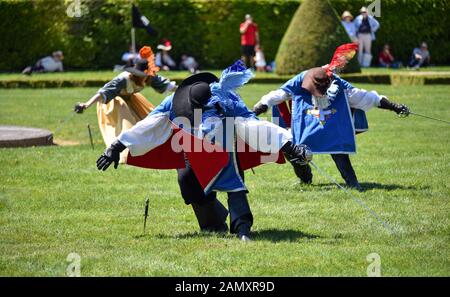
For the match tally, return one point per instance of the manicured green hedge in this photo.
(311, 39)
(393, 79)
(206, 29)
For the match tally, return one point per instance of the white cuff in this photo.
(170, 87)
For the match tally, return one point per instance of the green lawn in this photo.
(53, 202)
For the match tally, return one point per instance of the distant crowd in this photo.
(361, 30)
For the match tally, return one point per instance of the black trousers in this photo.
(210, 213)
(342, 162)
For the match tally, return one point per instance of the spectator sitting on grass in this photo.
(130, 57)
(163, 59)
(420, 56)
(386, 58)
(51, 63)
(189, 63)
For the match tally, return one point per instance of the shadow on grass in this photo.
(272, 235)
(189, 235)
(276, 235)
(365, 185)
(390, 187)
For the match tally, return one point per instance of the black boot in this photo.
(241, 218)
(243, 231)
(345, 167)
(211, 216)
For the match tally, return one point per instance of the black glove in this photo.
(260, 108)
(400, 109)
(298, 154)
(79, 108)
(111, 154)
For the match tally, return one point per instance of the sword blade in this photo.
(66, 120)
(427, 117)
(146, 212)
(90, 136)
(360, 202)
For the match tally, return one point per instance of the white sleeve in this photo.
(262, 135)
(147, 134)
(275, 97)
(362, 99)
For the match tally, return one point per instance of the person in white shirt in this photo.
(260, 60)
(51, 63)
(366, 26)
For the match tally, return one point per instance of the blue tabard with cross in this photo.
(326, 131)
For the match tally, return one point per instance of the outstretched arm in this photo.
(400, 109)
(271, 99)
(105, 94)
(365, 100)
(161, 84)
(80, 107)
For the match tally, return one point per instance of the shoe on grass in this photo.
(244, 238)
(243, 232)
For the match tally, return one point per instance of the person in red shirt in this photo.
(385, 58)
(249, 39)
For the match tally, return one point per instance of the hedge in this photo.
(392, 79)
(313, 35)
(207, 30)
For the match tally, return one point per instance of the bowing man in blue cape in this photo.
(205, 131)
(326, 112)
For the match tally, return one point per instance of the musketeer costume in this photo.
(326, 113)
(206, 132)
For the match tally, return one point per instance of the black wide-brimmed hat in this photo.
(192, 93)
(139, 68)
